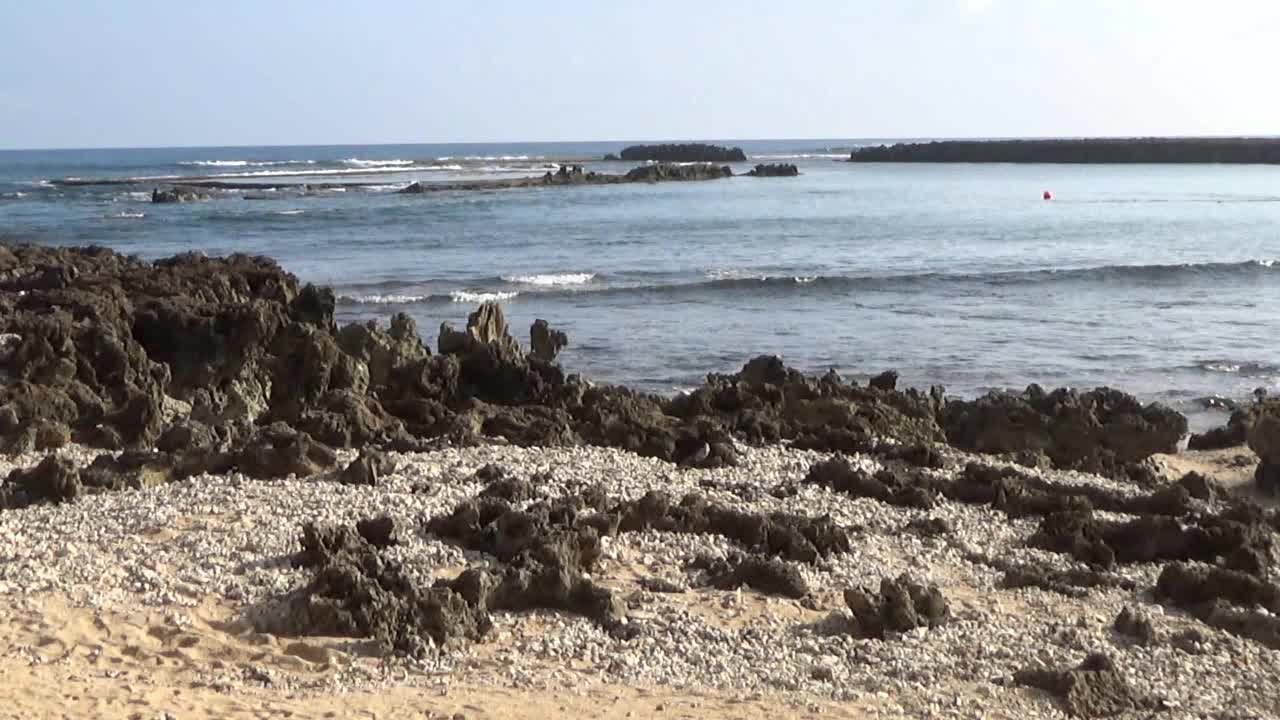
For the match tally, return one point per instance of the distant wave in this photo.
(722, 281)
(127, 215)
(803, 156)
(1244, 368)
(287, 212)
(457, 296)
(491, 158)
(371, 170)
(550, 279)
(244, 163)
(466, 296)
(357, 162)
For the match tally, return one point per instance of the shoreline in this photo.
(300, 509)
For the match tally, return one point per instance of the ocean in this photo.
(1159, 280)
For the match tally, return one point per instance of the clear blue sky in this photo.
(229, 72)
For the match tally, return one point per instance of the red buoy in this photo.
(1048, 195)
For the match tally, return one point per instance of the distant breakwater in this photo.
(1240, 150)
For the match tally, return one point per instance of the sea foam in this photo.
(550, 279)
(466, 296)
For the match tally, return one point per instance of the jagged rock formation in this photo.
(1094, 689)
(774, 170)
(1264, 439)
(177, 195)
(667, 172)
(900, 606)
(234, 358)
(683, 152)
(1097, 431)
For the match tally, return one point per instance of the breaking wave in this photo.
(766, 284)
(244, 163)
(550, 279)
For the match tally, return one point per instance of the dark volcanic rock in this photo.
(1201, 487)
(686, 152)
(1238, 532)
(357, 593)
(278, 451)
(1096, 431)
(1224, 599)
(367, 468)
(104, 339)
(1135, 624)
(774, 170)
(767, 401)
(54, 479)
(544, 342)
(1234, 433)
(1188, 586)
(380, 532)
(836, 473)
(177, 195)
(1264, 439)
(1092, 690)
(766, 575)
(1018, 494)
(134, 470)
(664, 171)
(900, 606)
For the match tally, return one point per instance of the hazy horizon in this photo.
(89, 75)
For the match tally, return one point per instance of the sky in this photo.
(129, 73)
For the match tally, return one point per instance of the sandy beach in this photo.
(141, 603)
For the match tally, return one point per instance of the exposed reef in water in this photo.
(774, 170)
(1240, 150)
(683, 152)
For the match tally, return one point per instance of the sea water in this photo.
(1159, 280)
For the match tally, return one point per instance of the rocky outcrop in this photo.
(901, 605)
(575, 175)
(684, 152)
(1090, 150)
(235, 358)
(774, 170)
(177, 195)
(1234, 433)
(1237, 602)
(544, 342)
(1096, 431)
(1264, 439)
(1094, 689)
(668, 172)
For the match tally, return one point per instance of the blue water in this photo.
(1155, 279)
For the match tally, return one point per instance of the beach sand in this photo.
(139, 605)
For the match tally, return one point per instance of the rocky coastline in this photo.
(1242, 150)
(442, 502)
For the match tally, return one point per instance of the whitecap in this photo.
(464, 296)
(385, 299)
(357, 162)
(127, 215)
(550, 279)
(287, 212)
